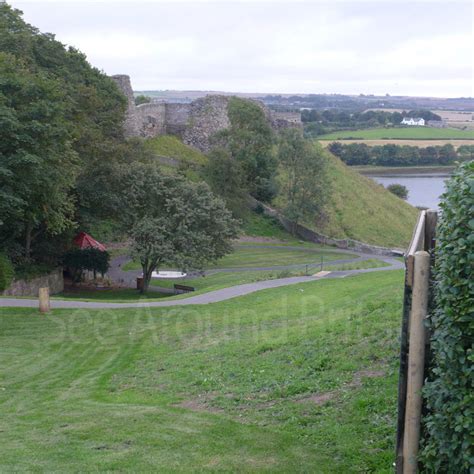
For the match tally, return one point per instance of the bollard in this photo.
(44, 300)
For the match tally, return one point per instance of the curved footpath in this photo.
(205, 298)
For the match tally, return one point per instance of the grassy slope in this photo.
(416, 133)
(172, 147)
(220, 387)
(246, 256)
(363, 210)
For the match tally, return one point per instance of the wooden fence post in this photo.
(416, 360)
(44, 305)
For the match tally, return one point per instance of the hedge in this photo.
(6, 272)
(91, 259)
(449, 392)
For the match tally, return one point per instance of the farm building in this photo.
(413, 121)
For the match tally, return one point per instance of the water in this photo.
(424, 188)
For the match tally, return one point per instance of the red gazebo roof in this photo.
(84, 241)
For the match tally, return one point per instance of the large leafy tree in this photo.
(37, 161)
(225, 177)
(302, 176)
(249, 140)
(173, 221)
(61, 134)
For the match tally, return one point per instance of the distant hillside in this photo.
(363, 210)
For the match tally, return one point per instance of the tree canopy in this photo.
(60, 135)
(173, 221)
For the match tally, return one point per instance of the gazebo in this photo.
(85, 241)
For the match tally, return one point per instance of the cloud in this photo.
(340, 46)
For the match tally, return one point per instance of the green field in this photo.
(300, 378)
(247, 256)
(409, 133)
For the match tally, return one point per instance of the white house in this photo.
(420, 122)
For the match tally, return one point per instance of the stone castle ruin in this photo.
(194, 123)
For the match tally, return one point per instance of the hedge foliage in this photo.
(89, 259)
(449, 392)
(6, 272)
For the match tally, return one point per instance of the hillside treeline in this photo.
(61, 142)
(399, 155)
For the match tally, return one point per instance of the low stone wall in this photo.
(312, 236)
(53, 280)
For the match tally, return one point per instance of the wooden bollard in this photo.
(43, 295)
(416, 361)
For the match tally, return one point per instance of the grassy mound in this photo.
(172, 147)
(363, 210)
(300, 376)
(414, 133)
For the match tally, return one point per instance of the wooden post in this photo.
(44, 305)
(430, 229)
(416, 361)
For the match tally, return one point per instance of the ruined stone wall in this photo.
(53, 280)
(176, 118)
(131, 125)
(194, 123)
(207, 116)
(151, 119)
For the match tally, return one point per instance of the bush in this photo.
(6, 272)
(399, 190)
(89, 259)
(449, 423)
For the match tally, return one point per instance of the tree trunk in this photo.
(29, 229)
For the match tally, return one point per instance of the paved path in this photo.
(205, 298)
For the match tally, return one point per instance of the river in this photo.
(424, 187)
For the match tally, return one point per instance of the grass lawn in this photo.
(414, 133)
(205, 284)
(302, 378)
(247, 256)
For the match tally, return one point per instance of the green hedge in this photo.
(449, 392)
(6, 272)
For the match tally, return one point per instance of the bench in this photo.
(183, 289)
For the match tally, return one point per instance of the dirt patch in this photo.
(201, 403)
(356, 382)
(358, 376)
(318, 398)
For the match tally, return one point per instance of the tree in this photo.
(225, 177)
(249, 141)
(302, 176)
(399, 190)
(60, 134)
(173, 221)
(142, 99)
(37, 162)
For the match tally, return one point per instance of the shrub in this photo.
(399, 190)
(6, 272)
(89, 259)
(449, 423)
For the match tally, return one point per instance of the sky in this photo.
(423, 48)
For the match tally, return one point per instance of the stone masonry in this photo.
(194, 123)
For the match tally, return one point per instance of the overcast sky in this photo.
(398, 47)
